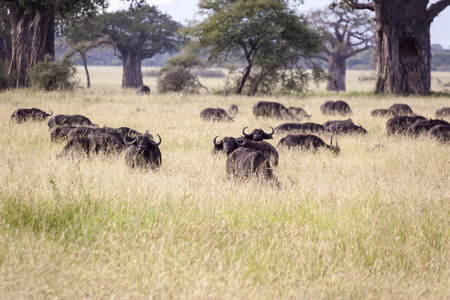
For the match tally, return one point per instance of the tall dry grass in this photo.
(372, 222)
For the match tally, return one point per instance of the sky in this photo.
(184, 10)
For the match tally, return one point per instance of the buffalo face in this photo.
(143, 152)
(258, 134)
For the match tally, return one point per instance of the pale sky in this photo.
(184, 10)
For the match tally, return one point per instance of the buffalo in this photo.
(96, 143)
(382, 113)
(299, 127)
(215, 114)
(258, 134)
(228, 144)
(423, 125)
(343, 127)
(299, 112)
(84, 131)
(25, 114)
(441, 132)
(264, 147)
(70, 120)
(338, 107)
(244, 163)
(307, 142)
(399, 124)
(272, 109)
(443, 112)
(401, 109)
(143, 152)
(233, 110)
(143, 90)
(60, 133)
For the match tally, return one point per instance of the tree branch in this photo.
(356, 5)
(434, 9)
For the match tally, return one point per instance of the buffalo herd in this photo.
(248, 155)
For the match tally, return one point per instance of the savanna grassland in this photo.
(371, 222)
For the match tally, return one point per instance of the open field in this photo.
(372, 222)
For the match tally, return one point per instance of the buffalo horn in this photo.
(50, 114)
(158, 143)
(128, 143)
(273, 130)
(245, 134)
(243, 142)
(215, 143)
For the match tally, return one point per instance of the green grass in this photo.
(372, 222)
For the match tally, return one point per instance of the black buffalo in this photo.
(258, 134)
(399, 124)
(70, 120)
(29, 114)
(228, 144)
(299, 127)
(343, 127)
(84, 131)
(95, 143)
(307, 142)
(245, 163)
(233, 110)
(401, 109)
(143, 90)
(423, 125)
(299, 112)
(264, 147)
(143, 152)
(443, 112)
(382, 113)
(60, 133)
(338, 107)
(215, 114)
(441, 132)
(272, 109)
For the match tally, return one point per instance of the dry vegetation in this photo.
(372, 222)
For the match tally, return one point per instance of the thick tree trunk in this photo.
(403, 47)
(32, 37)
(88, 78)
(132, 73)
(336, 70)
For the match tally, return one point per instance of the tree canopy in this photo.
(266, 36)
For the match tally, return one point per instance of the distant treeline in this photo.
(362, 61)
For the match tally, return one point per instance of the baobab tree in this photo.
(403, 45)
(346, 33)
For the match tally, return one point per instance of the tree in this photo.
(33, 29)
(403, 43)
(139, 33)
(5, 36)
(266, 36)
(346, 33)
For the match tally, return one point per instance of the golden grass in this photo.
(372, 222)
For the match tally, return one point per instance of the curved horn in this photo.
(273, 131)
(158, 143)
(51, 113)
(242, 143)
(128, 143)
(243, 131)
(215, 143)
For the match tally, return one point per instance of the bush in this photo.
(178, 79)
(50, 75)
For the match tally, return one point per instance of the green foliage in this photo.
(176, 76)
(262, 34)
(50, 75)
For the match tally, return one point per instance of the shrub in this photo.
(178, 79)
(50, 75)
